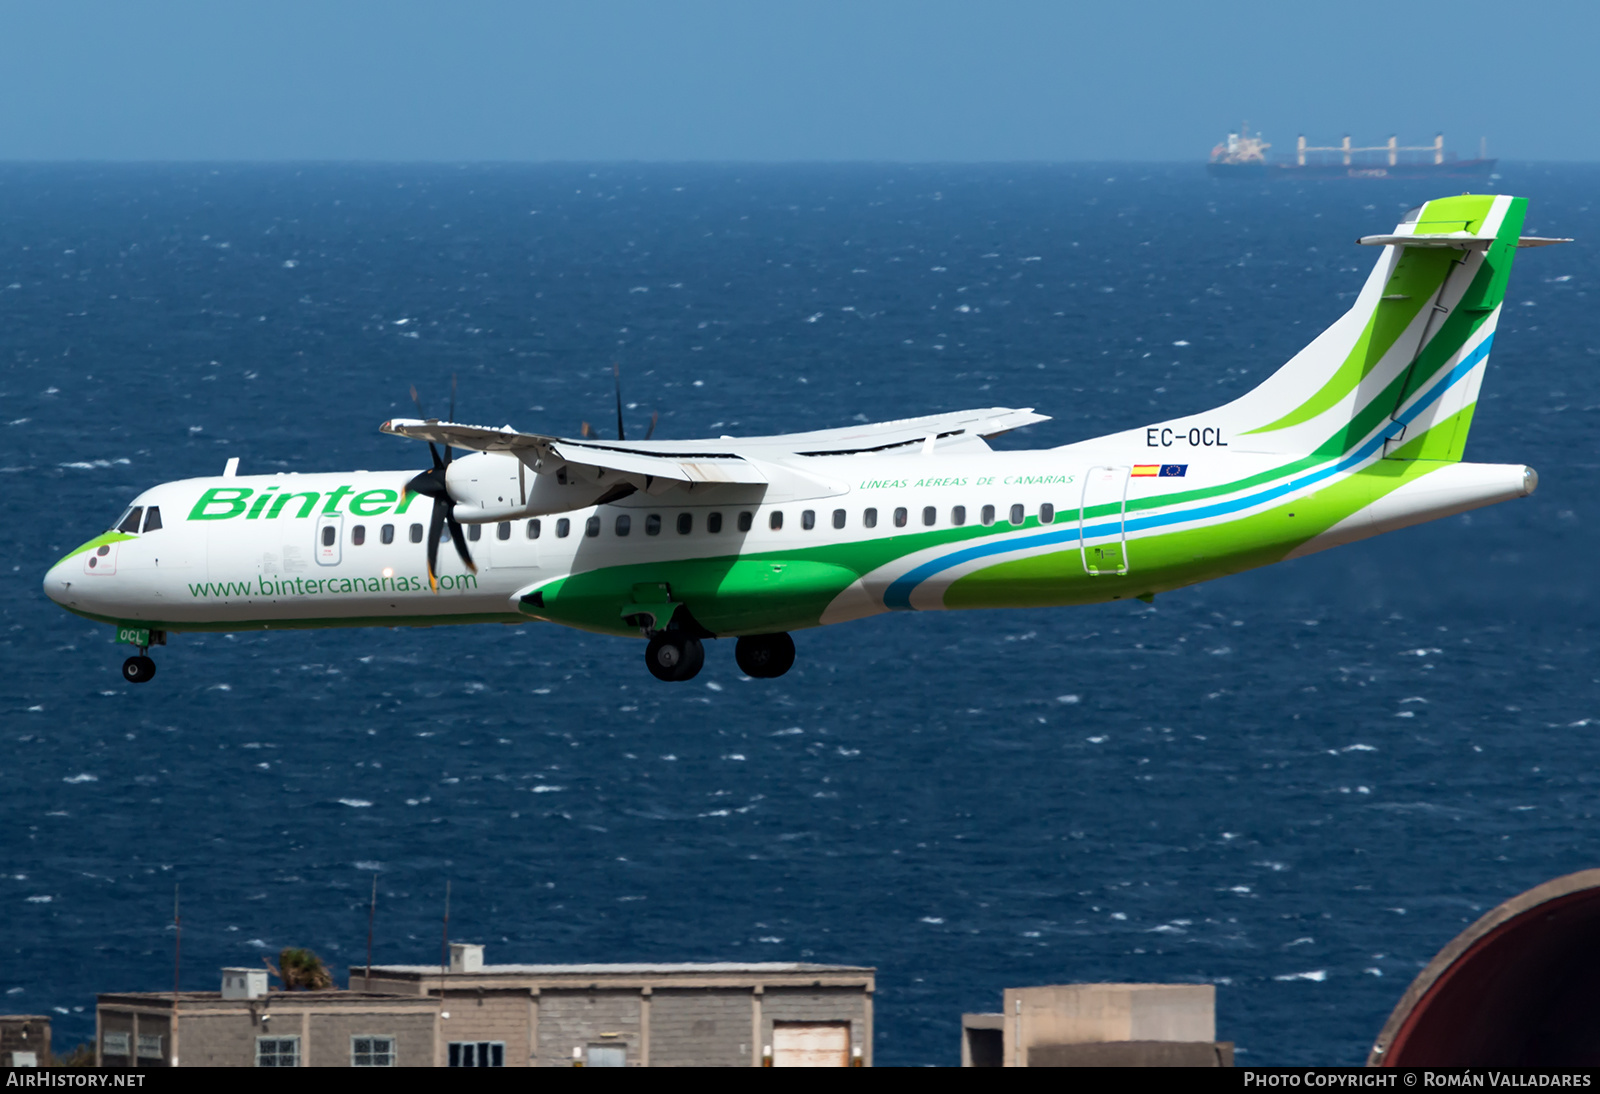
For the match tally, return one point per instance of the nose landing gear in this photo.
(139, 669)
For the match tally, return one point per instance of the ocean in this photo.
(1297, 784)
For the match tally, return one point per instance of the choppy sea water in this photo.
(1297, 784)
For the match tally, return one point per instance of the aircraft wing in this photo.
(723, 459)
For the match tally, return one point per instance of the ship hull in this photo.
(1456, 169)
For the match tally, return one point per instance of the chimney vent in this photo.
(244, 983)
(466, 957)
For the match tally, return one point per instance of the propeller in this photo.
(431, 484)
(588, 432)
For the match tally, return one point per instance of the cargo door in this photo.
(811, 1044)
(330, 538)
(1102, 521)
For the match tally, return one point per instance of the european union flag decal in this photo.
(1174, 470)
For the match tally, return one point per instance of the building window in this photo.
(503, 530)
(386, 533)
(150, 1046)
(607, 1056)
(369, 1051)
(776, 520)
(900, 518)
(1018, 515)
(152, 519)
(808, 519)
(416, 533)
(114, 1044)
(869, 518)
(930, 515)
(277, 1052)
(358, 534)
(624, 524)
(746, 518)
(591, 527)
(533, 529)
(685, 523)
(988, 515)
(474, 532)
(563, 528)
(652, 524)
(1047, 513)
(958, 515)
(477, 1054)
(713, 523)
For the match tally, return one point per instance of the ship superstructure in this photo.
(1244, 156)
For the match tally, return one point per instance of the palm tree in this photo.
(300, 970)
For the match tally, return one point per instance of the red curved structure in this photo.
(1520, 987)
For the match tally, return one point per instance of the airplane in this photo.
(680, 541)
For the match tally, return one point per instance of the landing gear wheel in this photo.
(138, 670)
(673, 655)
(764, 656)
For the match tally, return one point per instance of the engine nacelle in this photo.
(495, 486)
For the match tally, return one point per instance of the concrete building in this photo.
(470, 1014)
(1098, 1025)
(645, 1015)
(24, 1040)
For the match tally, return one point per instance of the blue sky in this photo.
(779, 80)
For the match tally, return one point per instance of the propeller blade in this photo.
(447, 456)
(435, 527)
(616, 376)
(654, 418)
(460, 541)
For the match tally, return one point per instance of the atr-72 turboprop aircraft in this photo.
(750, 538)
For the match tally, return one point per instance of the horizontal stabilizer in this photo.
(1461, 241)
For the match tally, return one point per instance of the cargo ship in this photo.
(1244, 156)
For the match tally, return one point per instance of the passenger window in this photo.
(808, 519)
(929, 515)
(130, 523)
(327, 535)
(533, 529)
(776, 520)
(503, 530)
(152, 519)
(869, 518)
(416, 533)
(899, 518)
(988, 515)
(444, 534)
(713, 522)
(474, 532)
(652, 524)
(591, 527)
(838, 518)
(563, 528)
(624, 524)
(958, 515)
(386, 533)
(685, 523)
(358, 534)
(1018, 514)
(745, 520)
(1047, 513)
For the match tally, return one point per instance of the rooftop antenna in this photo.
(444, 942)
(177, 952)
(372, 912)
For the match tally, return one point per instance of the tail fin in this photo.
(1403, 364)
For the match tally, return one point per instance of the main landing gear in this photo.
(764, 656)
(678, 655)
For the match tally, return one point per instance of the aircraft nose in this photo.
(58, 582)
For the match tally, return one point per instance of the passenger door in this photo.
(1104, 486)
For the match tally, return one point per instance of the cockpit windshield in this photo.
(130, 520)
